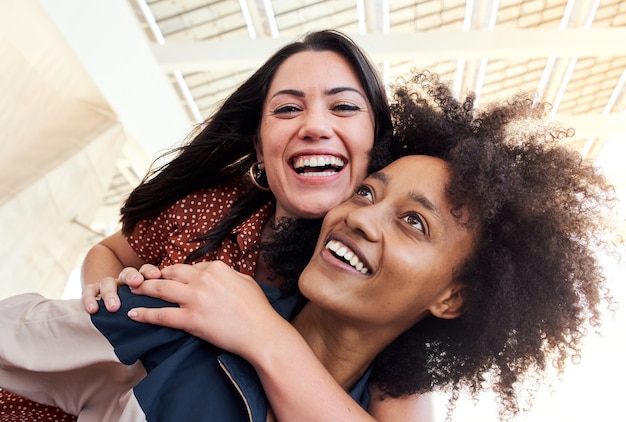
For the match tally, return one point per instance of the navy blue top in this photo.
(188, 378)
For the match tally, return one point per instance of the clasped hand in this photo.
(216, 303)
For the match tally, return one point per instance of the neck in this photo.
(262, 273)
(345, 351)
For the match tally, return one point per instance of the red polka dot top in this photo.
(14, 408)
(169, 238)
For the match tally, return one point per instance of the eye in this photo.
(286, 110)
(365, 192)
(416, 221)
(345, 108)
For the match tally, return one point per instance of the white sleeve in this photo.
(50, 352)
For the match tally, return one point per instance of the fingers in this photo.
(131, 277)
(106, 290)
(150, 271)
(108, 293)
(167, 317)
(168, 290)
(89, 294)
(184, 273)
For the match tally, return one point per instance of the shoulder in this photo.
(208, 199)
(224, 192)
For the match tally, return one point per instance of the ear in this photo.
(258, 147)
(450, 303)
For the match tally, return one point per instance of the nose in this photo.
(316, 124)
(367, 221)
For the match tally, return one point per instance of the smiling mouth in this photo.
(318, 165)
(347, 255)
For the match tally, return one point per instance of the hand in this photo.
(107, 288)
(217, 304)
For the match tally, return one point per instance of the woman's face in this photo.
(316, 132)
(387, 256)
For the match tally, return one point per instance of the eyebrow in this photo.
(426, 203)
(339, 89)
(413, 196)
(332, 91)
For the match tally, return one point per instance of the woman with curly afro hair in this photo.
(466, 260)
(535, 283)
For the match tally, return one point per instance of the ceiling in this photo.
(570, 52)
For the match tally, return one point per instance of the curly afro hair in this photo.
(535, 282)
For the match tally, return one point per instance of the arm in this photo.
(101, 266)
(296, 387)
(294, 399)
(249, 327)
(38, 358)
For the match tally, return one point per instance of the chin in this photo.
(303, 284)
(317, 211)
(314, 214)
(319, 207)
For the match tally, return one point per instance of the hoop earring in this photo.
(257, 176)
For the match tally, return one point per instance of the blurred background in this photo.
(92, 91)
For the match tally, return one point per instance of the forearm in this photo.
(107, 258)
(99, 263)
(296, 382)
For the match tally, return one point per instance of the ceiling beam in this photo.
(436, 46)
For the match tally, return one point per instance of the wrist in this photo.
(273, 344)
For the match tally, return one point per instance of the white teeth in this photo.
(318, 161)
(346, 254)
(319, 174)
